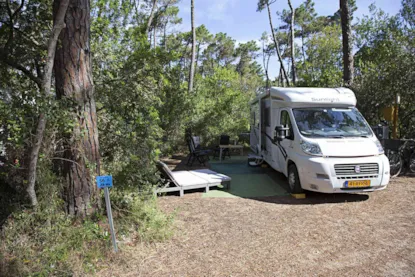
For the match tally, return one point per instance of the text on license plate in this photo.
(357, 184)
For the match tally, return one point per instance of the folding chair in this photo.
(194, 154)
(224, 140)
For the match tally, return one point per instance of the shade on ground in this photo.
(247, 181)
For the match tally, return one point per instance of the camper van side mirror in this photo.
(280, 133)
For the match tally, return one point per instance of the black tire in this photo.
(396, 163)
(412, 163)
(294, 180)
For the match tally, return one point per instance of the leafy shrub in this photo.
(46, 241)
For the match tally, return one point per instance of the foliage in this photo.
(138, 218)
(385, 67)
(46, 241)
(322, 67)
(143, 108)
(220, 106)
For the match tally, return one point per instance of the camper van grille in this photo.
(358, 177)
(356, 169)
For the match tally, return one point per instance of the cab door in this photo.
(255, 131)
(275, 153)
(286, 145)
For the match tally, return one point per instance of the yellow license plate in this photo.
(357, 184)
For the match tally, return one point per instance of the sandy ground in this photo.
(322, 235)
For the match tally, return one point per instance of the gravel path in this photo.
(322, 235)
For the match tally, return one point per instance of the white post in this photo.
(109, 214)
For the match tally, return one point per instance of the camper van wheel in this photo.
(294, 179)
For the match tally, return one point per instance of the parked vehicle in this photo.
(318, 139)
(401, 155)
(400, 152)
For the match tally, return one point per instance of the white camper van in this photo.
(318, 139)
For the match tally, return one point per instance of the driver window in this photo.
(286, 121)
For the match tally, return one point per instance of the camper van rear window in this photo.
(331, 122)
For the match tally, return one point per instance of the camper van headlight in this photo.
(311, 148)
(379, 146)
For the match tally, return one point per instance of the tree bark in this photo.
(73, 75)
(154, 38)
(302, 43)
(192, 64)
(277, 47)
(347, 42)
(292, 42)
(46, 85)
(264, 58)
(150, 19)
(165, 37)
(268, 80)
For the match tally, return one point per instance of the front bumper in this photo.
(318, 174)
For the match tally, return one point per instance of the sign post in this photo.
(105, 182)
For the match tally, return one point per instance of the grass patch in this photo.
(137, 216)
(47, 242)
(44, 242)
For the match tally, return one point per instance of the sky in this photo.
(240, 20)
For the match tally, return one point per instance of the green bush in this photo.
(137, 215)
(46, 241)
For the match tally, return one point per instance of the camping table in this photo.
(230, 146)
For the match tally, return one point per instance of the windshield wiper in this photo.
(336, 136)
(312, 134)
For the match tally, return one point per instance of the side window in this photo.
(257, 116)
(286, 121)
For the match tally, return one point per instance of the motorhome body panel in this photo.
(275, 107)
(320, 174)
(255, 137)
(309, 97)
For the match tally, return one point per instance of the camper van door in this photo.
(255, 132)
(286, 145)
(275, 120)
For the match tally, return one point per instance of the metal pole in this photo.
(109, 214)
(395, 117)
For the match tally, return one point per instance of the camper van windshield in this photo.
(331, 122)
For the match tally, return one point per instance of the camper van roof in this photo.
(297, 97)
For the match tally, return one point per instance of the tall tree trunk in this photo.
(165, 37)
(58, 25)
(302, 43)
(268, 80)
(277, 47)
(264, 58)
(73, 75)
(192, 64)
(154, 37)
(150, 19)
(347, 42)
(292, 42)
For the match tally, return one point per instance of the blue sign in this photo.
(104, 181)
